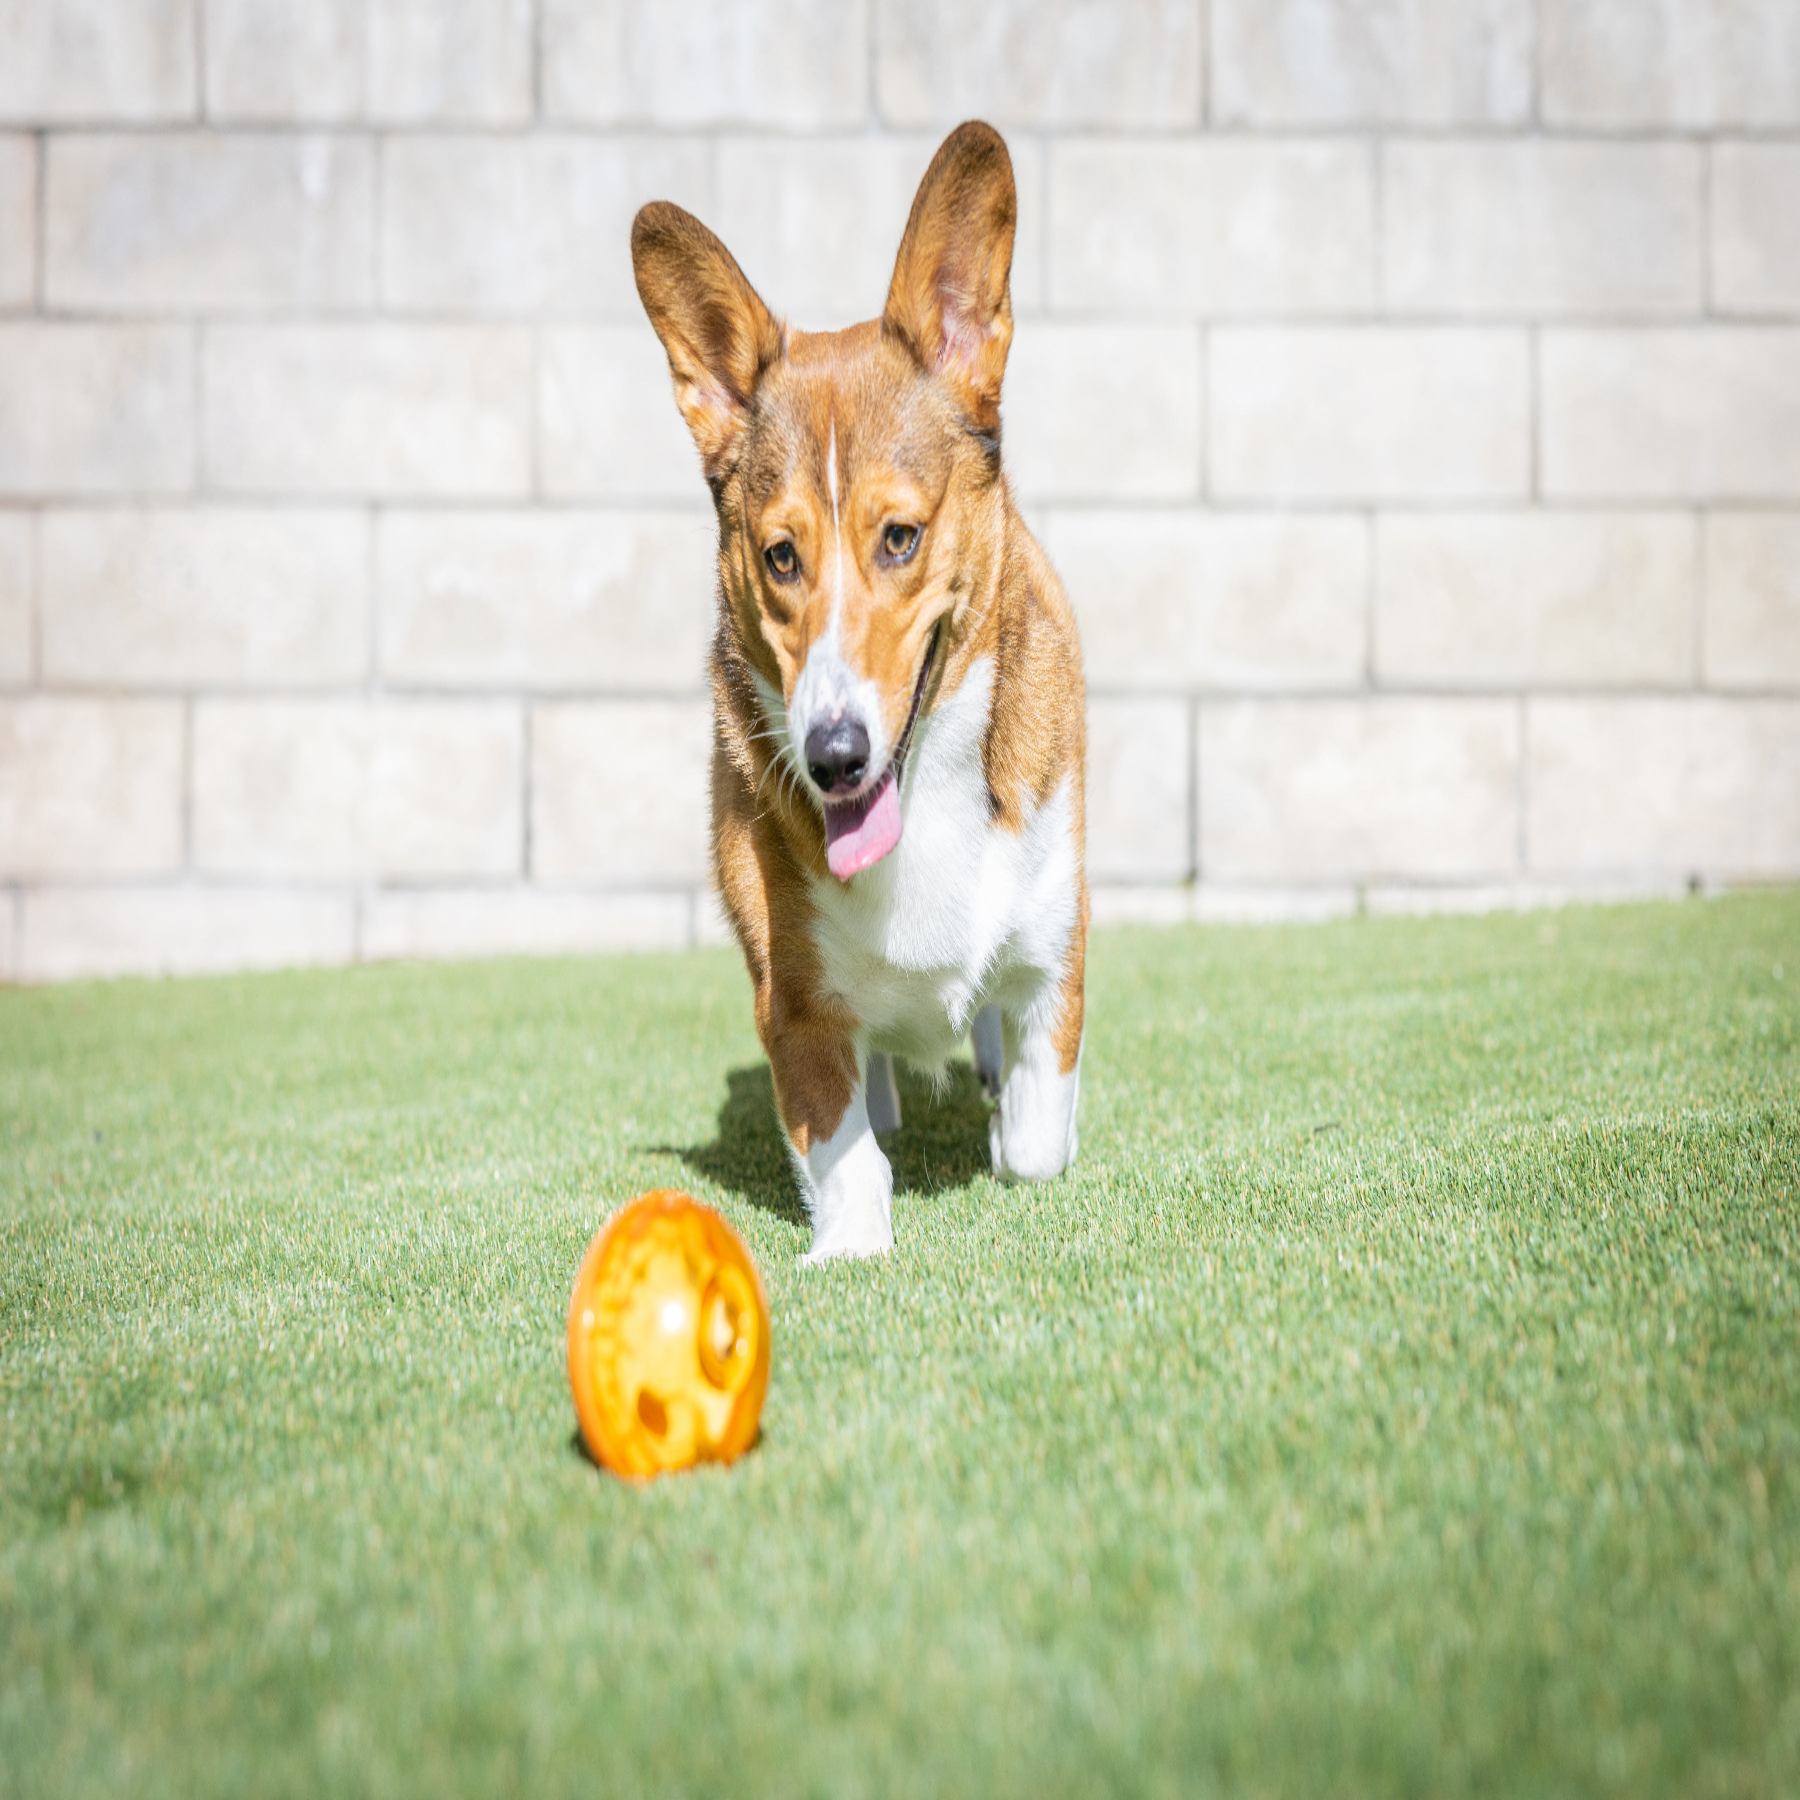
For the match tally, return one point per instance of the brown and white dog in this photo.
(899, 733)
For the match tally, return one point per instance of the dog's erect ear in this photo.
(950, 300)
(719, 335)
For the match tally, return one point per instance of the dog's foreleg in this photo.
(883, 1095)
(848, 1188)
(987, 1037)
(1031, 1136)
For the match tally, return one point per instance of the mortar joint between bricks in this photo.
(1702, 555)
(202, 98)
(537, 65)
(526, 755)
(34, 586)
(39, 225)
(187, 783)
(1522, 791)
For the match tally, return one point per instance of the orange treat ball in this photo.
(668, 1338)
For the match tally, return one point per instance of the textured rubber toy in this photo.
(668, 1339)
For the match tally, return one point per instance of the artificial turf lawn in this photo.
(1401, 1396)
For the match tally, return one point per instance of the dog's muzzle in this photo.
(861, 831)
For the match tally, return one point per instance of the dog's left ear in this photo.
(950, 300)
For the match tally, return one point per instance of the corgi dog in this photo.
(899, 736)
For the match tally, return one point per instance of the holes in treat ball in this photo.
(728, 1327)
(653, 1413)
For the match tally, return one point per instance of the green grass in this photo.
(1402, 1395)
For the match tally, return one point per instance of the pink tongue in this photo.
(855, 839)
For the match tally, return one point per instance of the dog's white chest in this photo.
(961, 912)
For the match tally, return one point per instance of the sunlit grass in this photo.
(1402, 1394)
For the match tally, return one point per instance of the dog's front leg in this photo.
(844, 1179)
(848, 1187)
(1031, 1136)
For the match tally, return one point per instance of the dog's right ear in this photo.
(951, 300)
(719, 335)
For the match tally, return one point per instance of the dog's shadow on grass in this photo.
(942, 1143)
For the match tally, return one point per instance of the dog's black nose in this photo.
(837, 755)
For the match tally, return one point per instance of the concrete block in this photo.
(1218, 903)
(1541, 228)
(1756, 228)
(79, 60)
(1751, 614)
(547, 599)
(1669, 62)
(380, 410)
(208, 222)
(96, 409)
(521, 921)
(354, 789)
(816, 223)
(162, 597)
(1140, 800)
(1371, 62)
(1647, 787)
(525, 224)
(607, 421)
(789, 65)
(16, 585)
(467, 62)
(1127, 903)
(1220, 227)
(1183, 600)
(1103, 412)
(1369, 413)
(89, 787)
(1493, 600)
(389, 61)
(1358, 790)
(1238, 903)
(1525, 895)
(73, 932)
(18, 219)
(1700, 413)
(287, 60)
(1040, 63)
(620, 792)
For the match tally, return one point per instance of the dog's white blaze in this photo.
(827, 687)
(960, 914)
(848, 1188)
(837, 530)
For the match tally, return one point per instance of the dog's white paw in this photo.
(1031, 1136)
(849, 1190)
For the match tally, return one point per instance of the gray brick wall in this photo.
(1408, 390)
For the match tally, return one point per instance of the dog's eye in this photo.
(899, 541)
(784, 563)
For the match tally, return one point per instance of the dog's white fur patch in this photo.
(959, 916)
(960, 913)
(848, 1189)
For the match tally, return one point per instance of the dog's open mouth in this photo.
(860, 832)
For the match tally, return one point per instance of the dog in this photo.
(899, 723)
